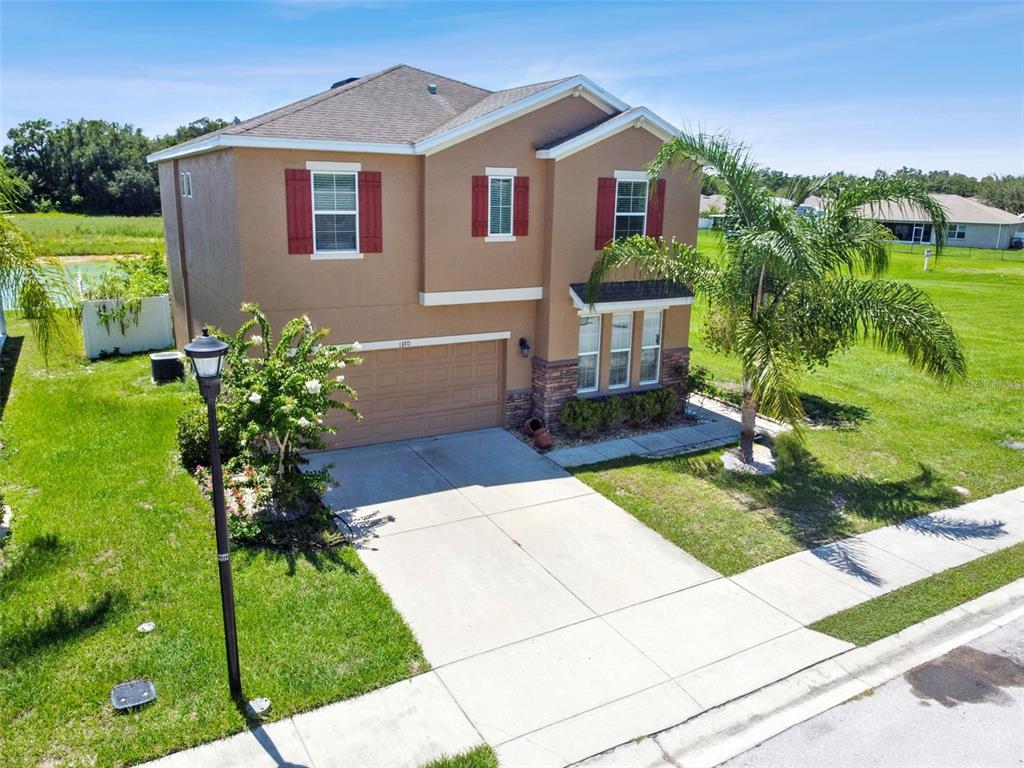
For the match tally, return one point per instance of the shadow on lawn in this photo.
(815, 504)
(321, 559)
(8, 364)
(38, 556)
(58, 626)
(820, 412)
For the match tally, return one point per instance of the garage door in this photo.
(422, 391)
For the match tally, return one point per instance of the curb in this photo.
(726, 731)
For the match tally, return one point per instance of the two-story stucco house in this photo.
(446, 228)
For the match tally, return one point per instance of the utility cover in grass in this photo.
(762, 463)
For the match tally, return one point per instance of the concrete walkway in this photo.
(717, 424)
(558, 625)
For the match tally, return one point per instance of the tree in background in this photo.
(37, 283)
(1006, 192)
(790, 291)
(193, 130)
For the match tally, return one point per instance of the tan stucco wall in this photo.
(573, 219)
(456, 261)
(211, 241)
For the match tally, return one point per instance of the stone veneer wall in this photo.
(518, 407)
(675, 366)
(554, 382)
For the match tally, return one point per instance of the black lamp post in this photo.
(207, 355)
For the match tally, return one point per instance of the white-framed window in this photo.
(589, 354)
(650, 348)
(619, 350)
(957, 232)
(335, 212)
(499, 205)
(630, 208)
(186, 183)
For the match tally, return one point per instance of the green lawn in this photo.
(888, 614)
(479, 757)
(898, 443)
(108, 533)
(72, 234)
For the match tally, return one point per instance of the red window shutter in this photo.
(656, 210)
(299, 205)
(371, 239)
(521, 206)
(605, 213)
(479, 206)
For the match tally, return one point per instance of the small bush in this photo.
(667, 402)
(613, 413)
(194, 437)
(581, 416)
(790, 452)
(642, 408)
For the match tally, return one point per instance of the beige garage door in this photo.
(423, 391)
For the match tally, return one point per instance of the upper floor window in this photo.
(186, 183)
(335, 212)
(630, 208)
(499, 205)
(957, 232)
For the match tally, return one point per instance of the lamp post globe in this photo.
(207, 355)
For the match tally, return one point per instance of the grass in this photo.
(108, 533)
(891, 443)
(886, 615)
(479, 757)
(72, 234)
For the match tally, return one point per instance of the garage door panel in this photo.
(421, 391)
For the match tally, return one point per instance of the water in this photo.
(75, 270)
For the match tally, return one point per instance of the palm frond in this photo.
(770, 367)
(653, 258)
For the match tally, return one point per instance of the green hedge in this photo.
(585, 416)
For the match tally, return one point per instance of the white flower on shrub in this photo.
(356, 346)
(255, 397)
(339, 378)
(256, 339)
(303, 422)
(313, 387)
(341, 364)
(287, 407)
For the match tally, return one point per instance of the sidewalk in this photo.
(601, 676)
(718, 424)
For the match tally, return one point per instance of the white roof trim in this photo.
(603, 307)
(225, 140)
(641, 117)
(489, 296)
(574, 86)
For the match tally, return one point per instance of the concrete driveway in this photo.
(557, 621)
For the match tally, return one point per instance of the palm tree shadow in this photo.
(59, 626)
(8, 364)
(820, 412)
(321, 559)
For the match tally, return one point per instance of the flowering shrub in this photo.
(280, 392)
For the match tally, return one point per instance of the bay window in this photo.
(618, 352)
(650, 348)
(589, 353)
(335, 212)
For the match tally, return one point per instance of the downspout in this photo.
(182, 260)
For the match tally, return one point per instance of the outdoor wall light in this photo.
(524, 348)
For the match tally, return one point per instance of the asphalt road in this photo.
(962, 710)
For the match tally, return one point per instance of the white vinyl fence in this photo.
(151, 330)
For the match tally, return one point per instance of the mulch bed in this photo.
(564, 439)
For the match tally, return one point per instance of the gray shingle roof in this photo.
(390, 106)
(959, 210)
(633, 290)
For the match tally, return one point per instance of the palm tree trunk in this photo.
(748, 416)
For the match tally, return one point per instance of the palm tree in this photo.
(35, 282)
(788, 290)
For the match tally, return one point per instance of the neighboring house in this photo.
(712, 210)
(972, 224)
(448, 229)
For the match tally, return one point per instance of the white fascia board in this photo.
(578, 85)
(323, 165)
(224, 141)
(447, 298)
(432, 341)
(640, 118)
(605, 307)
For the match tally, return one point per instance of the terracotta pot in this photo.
(532, 425)
(542, 438)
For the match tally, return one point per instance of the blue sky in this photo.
(813, 87)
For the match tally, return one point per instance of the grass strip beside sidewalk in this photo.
(886, 615)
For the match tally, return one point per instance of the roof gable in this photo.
(634, 117)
